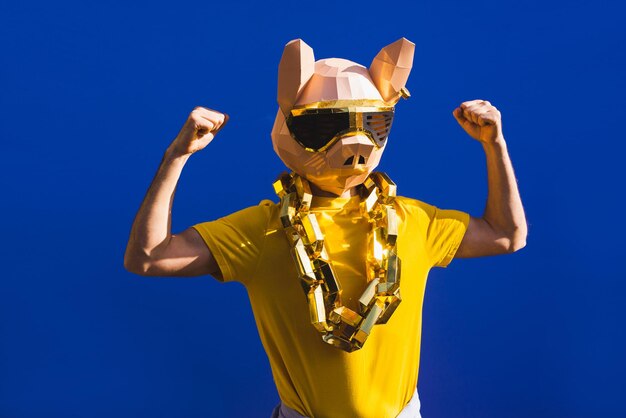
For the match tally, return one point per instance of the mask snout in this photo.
(353, 151)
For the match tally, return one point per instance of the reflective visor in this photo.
(317, 129)
(378, 124)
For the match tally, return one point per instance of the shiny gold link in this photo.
(307, 285)
(370, 202)
(376, 248)
(330, 285)
(287, 209)
(278, 188)
(369, 185)
(344, 331)
(340, 343)
(387, 187)
(372, 317)
(317, 310)
(372, 272)
(292, 235)
(303, 263)
(368, 323)
(385, 288)
(304, 193)
(327, 274)
(389, 310)
(368, 295)
(381, 288)
(344, 314)
(391, 227)
(393, 267)
(360, 337)
(313, 234)
(340, 326)
(323, 255)
(281, 184)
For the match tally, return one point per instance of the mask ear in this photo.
(390, 69)
(295, 69)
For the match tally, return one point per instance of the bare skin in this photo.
(153, 250)
(502, 228)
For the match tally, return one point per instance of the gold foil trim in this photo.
(366, 105)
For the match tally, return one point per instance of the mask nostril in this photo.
(361, 159)
(349, 161)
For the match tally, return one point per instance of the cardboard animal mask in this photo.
(334, 115)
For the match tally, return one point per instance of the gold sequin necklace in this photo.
(340, 326)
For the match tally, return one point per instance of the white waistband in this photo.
(411, 410)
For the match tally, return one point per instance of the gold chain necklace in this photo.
(340, 326)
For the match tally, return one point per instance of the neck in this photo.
(323, 193)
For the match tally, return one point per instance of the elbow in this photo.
(136, 265)
(132, 267)
(516, 245)
(516, 241)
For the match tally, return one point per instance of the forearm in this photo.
(503, 211)
(151, 230)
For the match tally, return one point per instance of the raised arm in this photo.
(502, 228)
(152, 249)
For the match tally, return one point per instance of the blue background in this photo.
(92, 94)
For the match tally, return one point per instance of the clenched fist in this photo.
(199, 129)
(480, 119)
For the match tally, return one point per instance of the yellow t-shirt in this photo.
(312, 377)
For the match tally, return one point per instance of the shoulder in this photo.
(257, 213)
(410, 207)
(251, 218)
(427, 214)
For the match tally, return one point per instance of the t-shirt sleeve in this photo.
(444, 234)
(236, 240)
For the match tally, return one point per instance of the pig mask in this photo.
(337, 83)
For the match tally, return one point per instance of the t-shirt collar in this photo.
(323, 202)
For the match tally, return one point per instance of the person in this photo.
(335, 271)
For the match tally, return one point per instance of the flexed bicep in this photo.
(186, 255)
(481, 240)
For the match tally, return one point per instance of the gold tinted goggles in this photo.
(318, 126)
